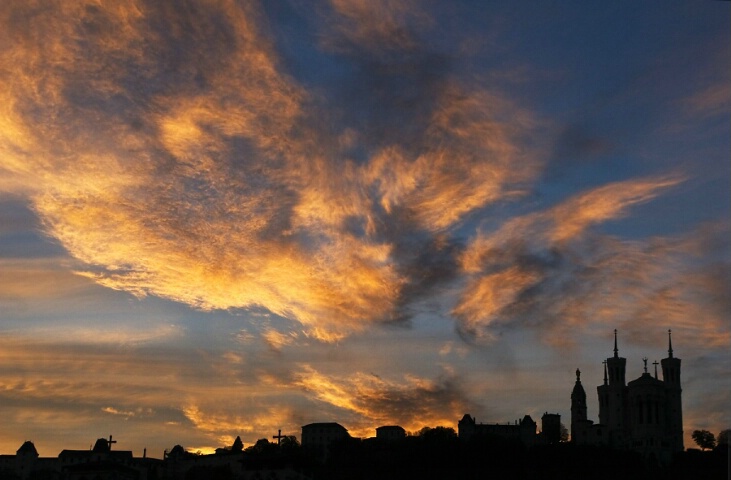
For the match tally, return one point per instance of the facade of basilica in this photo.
(644, 415)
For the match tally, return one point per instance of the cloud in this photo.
(551, 272)
(154, 391)
(276, 340)
(411, 402)
(168, 152)
(127, 413)
(378, 26)
(32, 280)
(713, 100)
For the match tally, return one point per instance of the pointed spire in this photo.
(670, 344)
(615, 344)
(578, 376)
(605, 371)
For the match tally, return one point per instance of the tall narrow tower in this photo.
(603, 394)
(674, 410)
(578, 406)
(613, 398)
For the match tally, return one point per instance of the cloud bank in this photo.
(172, 153)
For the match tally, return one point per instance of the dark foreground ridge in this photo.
(435, 453)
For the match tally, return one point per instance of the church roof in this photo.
(578, 390)
(86, 454)
(467, 419)
(646, 379)
(28, 448)
(177, 450)
(390, 427)
(101, 446)
(330, 425)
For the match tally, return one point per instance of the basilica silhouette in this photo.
(644, 415)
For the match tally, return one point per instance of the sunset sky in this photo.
(228, 218)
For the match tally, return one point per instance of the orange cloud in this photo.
(469, 160)
(372, 401)
(376, 25)
(215, 188)
(549, 270)
(73, 383)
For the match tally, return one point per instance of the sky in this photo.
(224, 218)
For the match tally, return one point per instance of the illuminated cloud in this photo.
(213, 188)
(138, 390)
(378, 25)
(371, 401)
(128, 413)
(551, 272)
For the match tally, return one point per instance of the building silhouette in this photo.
(390, 433)
(551, 428)
(317, 438)
(99, 462)
(643, 415)
(523, 431)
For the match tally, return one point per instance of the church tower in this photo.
(613, 397)
(578, 406)
(671, 378)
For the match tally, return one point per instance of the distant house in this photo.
(318, 437)
(390, 433)
(523, 431)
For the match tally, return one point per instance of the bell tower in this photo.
(613, 398)
(616, 367)
(578, 406)
(674, 409)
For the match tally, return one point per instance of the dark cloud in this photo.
(414, 406)
(577, 148)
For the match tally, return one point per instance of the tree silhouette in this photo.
(704, 439)
(262, 446)
(238, 445)
(722, 438)
(290, 444)
(564, 433)
(438, 434)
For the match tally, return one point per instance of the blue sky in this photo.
(227, 218)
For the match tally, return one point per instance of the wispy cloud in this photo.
(712, 100)
(551, 272)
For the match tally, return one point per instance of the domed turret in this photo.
(578, 404)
